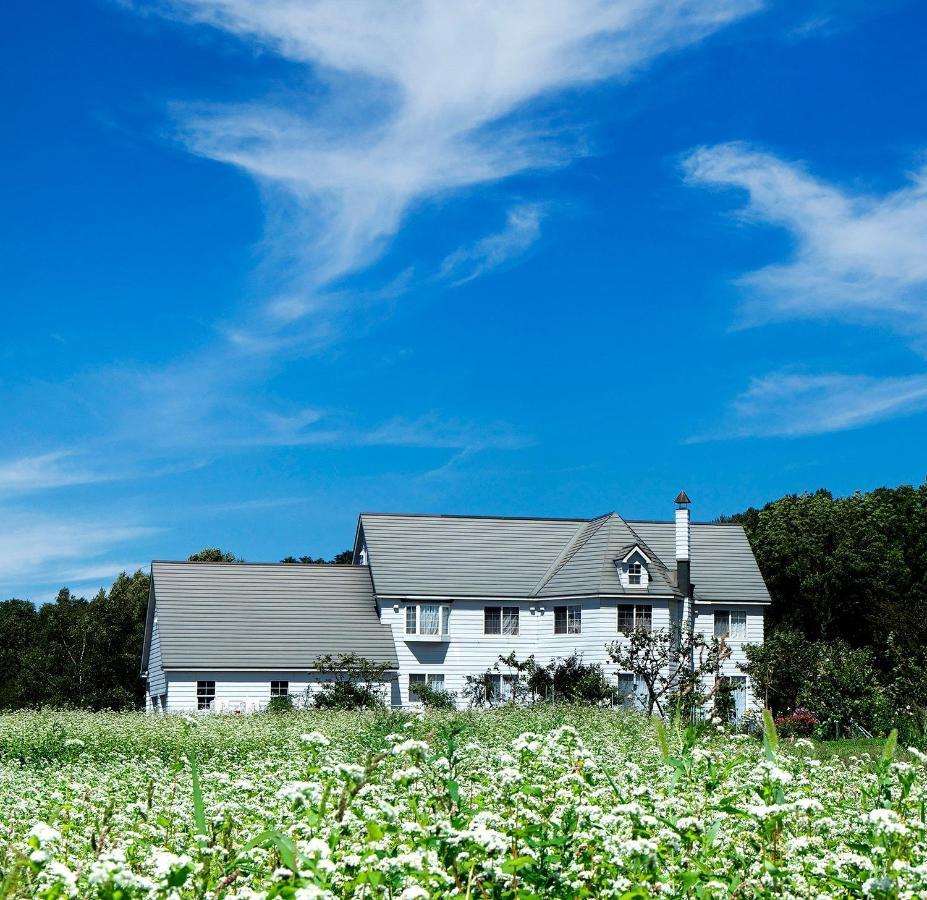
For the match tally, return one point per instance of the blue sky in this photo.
(265, 265)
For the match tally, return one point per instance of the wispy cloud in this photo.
(419, 99)
(857, 255)
(784, 404)
(44, 471)
(34, 547)
(522, 229)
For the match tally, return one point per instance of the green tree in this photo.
(21, 683)
(213, 554)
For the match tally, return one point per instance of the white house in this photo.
(438, 598)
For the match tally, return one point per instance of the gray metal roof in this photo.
(264, 616)
(723, 566)
(463, 556)
(473, 556)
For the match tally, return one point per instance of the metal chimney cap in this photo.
(682, 499)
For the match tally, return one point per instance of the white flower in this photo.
(315, 739)
(44, 833)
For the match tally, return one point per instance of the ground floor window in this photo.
(434, 680)
(279, 688)
(632, 691)
(739, 694)
(205, 694)
(500, 687)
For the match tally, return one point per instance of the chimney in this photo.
(683, 581)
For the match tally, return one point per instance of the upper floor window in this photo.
(568, 619)
(731, 623)
(428, 619)
(632, 568)
(634, 573)
(205, 694)
(632, 617)
(279, 688)
(500, 620)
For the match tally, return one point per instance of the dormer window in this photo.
(633, 568)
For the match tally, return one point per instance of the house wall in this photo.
(157, 685)
(238, 691)
(468, 651)
(705, 624)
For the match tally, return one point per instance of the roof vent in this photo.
(682, 499)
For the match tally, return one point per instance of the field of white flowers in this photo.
(542, 802)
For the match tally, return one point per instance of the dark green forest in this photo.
(846, 632)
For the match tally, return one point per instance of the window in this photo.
(634, 617)
(739, 693)
(632, 690)
(416, 678)
(568, 619)
(634, 573)
(427, 619)
(500, 687)
(279, 688)
(205, 694)
(731, 623)
(500, 620)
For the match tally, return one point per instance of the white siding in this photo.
(469, 651)
(156, 681)
(705, 624)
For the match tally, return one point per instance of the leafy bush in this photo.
(354, 682)
(435, 698)
(280, 704)
(801, 723)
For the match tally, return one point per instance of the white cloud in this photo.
(417, 99)
(522, 229)
(44, 471)
(34, 546)
(783, 404)
(857, 256)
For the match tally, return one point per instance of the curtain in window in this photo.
(510, 620)
(574, 619)
(429, 619)
(722, 623)
(445, 618)
(625, 618)
(436, 681)
(644, 617)
(738, 623)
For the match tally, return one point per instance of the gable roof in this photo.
(481, 556)
(263, 616)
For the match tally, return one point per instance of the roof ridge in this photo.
(398, 515)
(570, 549)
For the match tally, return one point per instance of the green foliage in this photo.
(353, 682)
(435, 698)
(213, 554)
(73, 651)
(280, 704)
(345, 558)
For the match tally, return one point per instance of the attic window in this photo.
(634, 573)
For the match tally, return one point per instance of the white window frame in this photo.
(435, 679)
(205, 694)
(505, 612)
(414, 618)
(637, 616)
(734, 630)
(500, 686)
(279, 688)
(573, 619)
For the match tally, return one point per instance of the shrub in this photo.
(436, 698)
(801, 723)
(280, 704)
(357, 684)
